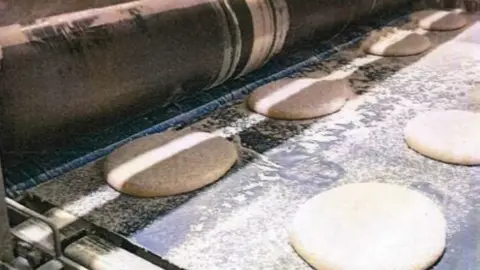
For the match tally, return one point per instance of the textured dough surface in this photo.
(369, 226)
(169, 163)
(439, 20)
(396, 42)
(474, 95)
(451, 136)
(304, 98)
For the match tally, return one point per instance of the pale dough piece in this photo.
(169, 163)
(396, 42)
(474, 95)
(439, 20)
(451, 136)
(369, 226)
(301, 98)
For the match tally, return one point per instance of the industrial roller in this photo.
(76, 67)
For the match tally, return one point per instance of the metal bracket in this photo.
(58, 253)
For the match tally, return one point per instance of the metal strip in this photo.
(264, 30)
(227, 44)
(6, 251)
(232, 43)
(98, 254)
(282, 25)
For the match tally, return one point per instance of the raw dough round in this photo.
(303, 98)
(369, 226)
(395, 42)
(169, 163)
(451, 136)
(439, 20)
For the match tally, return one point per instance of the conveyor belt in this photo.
(25, 169)
(81, 71)
(241, 221)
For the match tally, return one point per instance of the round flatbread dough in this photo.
(169, 163)
(451, 136)
(303, 98)
(439, 20)
(369, 226)
(392, 42)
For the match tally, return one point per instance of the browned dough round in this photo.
(396, 42)
(439, 20)
(169, 163)
(451, 136)
(301, 98)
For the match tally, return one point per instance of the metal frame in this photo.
(6, 250)
(13, 205)
(57, 252)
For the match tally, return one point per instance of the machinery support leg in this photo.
(5, 236)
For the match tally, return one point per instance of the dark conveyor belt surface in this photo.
(241, 221)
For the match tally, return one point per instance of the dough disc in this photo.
(169, 163)
(369, 226)
(439, 20)
(397, 43)
(296, 99)
(450, 136)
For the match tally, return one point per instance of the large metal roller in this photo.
(75, 67)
